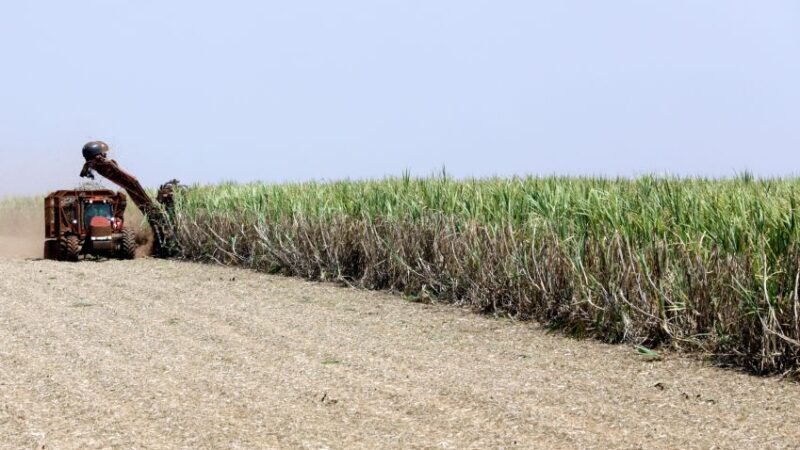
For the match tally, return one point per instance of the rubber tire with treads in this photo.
(127, 248)
(69, 248)
(51, 249)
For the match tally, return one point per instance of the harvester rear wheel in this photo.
(127, 248)
(69, 248)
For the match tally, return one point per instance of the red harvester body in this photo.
(87, 222)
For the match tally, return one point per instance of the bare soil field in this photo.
(158, 354)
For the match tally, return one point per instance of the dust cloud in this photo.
(22, 235)
(144, 235)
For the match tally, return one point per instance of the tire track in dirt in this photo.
(156, 354)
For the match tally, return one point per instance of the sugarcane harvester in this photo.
(158, 214)
(87, 222)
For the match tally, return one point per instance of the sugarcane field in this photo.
(359, 225)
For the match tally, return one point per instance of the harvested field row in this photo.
(158, 354)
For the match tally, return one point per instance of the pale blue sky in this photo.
(297, 90)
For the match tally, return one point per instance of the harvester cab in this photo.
(87, 222)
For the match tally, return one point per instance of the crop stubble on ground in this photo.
(156, 354)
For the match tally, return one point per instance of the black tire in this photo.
(50, 249)
(69, 248)
(127, 248)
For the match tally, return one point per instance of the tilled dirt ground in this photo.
(156, 354)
